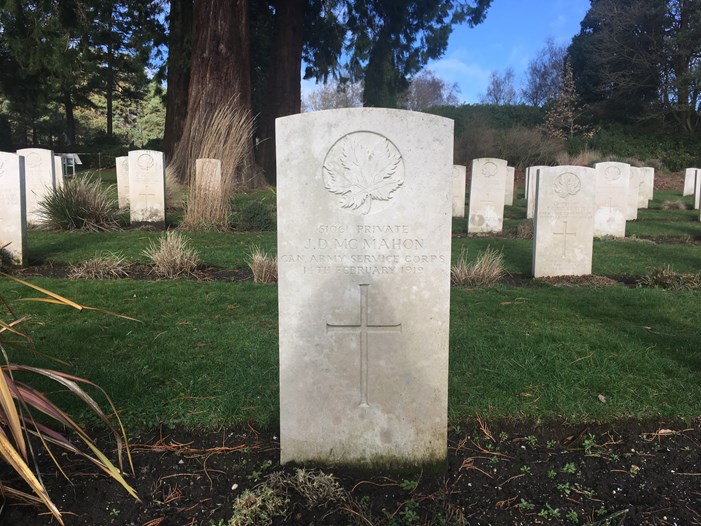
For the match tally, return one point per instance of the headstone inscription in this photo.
(39, 179)
(563, 227)
(509, 195)
(459, 177)
(612, 182)
(147, 187)
(487, 190)
(364, 286)
(122, 168)
(13, 213)
(689, 181)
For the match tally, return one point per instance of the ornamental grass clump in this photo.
(80, 204)
(484, 271)
(172, 256)
(263, 266)
(23, 437)
(106, 265)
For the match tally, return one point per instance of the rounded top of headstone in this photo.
(489, 169)
(567, 184)
(366, 170)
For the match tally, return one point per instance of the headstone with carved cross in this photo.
(612, 188)
(459, 177)
(122, 168)
(563, 227)
(13, 213)
(487, 191)
(147, 188)
(364, 233)
(39, 179)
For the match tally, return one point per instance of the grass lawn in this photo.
(205, 353)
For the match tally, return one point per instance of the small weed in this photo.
(258, 507)
(525, 229)
(572, 517)
(569, 468)
(256, 474)
(494, 460)
(503, 436)
(552, 473)
(408, 513)
(526, 470)
(551, 444)
(408, 485)
(564, 488)
(524, 505)
(531, 440)
(589, 443)
(108, 265)
(549, 512)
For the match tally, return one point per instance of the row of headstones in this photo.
(692, 186)
(459, 186)
(27, 177)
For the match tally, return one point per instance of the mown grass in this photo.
(205, 354)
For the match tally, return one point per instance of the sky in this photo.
(512, 35)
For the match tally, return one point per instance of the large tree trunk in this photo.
(70, 117)
(219, 72)
(179, 38)
(283, 90)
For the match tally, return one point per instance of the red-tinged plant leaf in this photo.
(10, 455)
(12, 419)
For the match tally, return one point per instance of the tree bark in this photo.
(179, 48)
(70, 117)
(219, 72)
(283, 89)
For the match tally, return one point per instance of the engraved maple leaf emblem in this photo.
(363, 172)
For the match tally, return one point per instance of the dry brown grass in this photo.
(585, 158)
(484, 271)
(228, 137)
(678, 204)
(172, 256)
(525, 229)
(106, 265)
(208, 204)
(666, 278)
(263, 266)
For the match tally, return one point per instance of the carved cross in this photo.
(364, 329)
(564, 235)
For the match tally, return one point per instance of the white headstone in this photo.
(647, 185)
(13, 214)
(531, 199)
(459, 187)
(509, 195)
(39, 179)
(364, 233)
(487, 190)
(563, 226)
(689, 181)
(208, 175)
(612, 182)
(697, 190)
(146, 187)
(633, 193)
(122, 169)
(58, 171)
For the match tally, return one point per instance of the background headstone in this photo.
(122, 169)
(13, 215)
(364, 232)
(38, 177)
(147, 187)
(697, 190)
(487, 190)
(58, 171)
(509, 195)
(647, 186)
(563, 226)
(633, 193)
(531, 198)
(612, 182)
(459, 187)
(689, 181)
